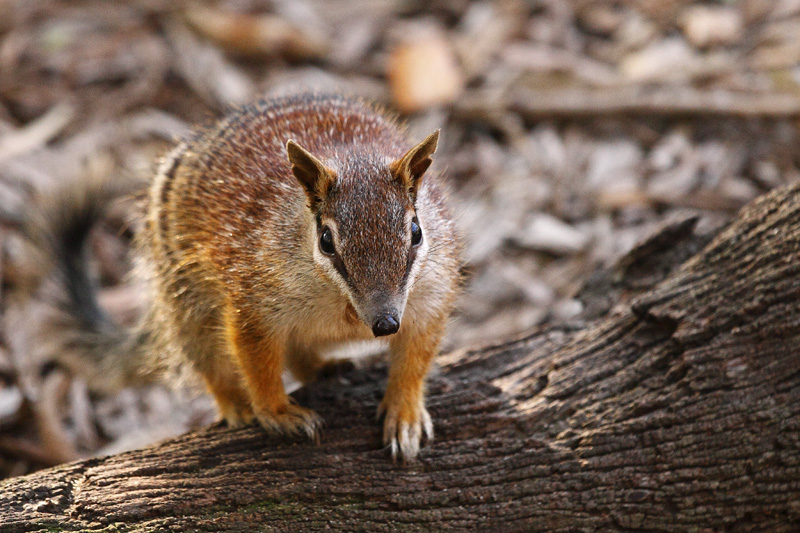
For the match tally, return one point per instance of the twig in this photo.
(578, 102)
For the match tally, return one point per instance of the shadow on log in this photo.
(678, 410)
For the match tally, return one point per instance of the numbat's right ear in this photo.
(313, 175)
(408, 170)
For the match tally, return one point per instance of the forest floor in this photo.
(571, 130)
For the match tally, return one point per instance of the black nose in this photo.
(385, 325)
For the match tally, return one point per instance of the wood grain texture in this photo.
(679, 410)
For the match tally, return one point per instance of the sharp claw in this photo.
(427, 426)
(294, 421)
(403, 438)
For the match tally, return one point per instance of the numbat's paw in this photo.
(291, 420)
(403, 430)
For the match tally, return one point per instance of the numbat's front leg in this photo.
(261, 358)
(406, 421)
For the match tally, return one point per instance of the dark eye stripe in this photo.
(326, 246)
(339, 266)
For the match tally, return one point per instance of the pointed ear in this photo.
(409, 169)
(313, 175)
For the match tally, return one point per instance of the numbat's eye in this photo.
(416, 233)
(326, 242)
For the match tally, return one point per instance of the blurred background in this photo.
(571, 130)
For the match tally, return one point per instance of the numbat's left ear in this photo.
(409, 169)
(313, 175)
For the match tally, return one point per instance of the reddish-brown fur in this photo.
(240, 286)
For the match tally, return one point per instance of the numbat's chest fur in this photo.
(292, 224)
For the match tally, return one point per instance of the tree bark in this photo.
(678, 410)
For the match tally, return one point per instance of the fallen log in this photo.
(678, 409)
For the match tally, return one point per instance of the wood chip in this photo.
(666, 60)
(10, 404)
(547, 233)
(35, 134)
(707, 25)
(254, 35)
(423, 73)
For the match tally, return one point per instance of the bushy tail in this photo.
(81, 335)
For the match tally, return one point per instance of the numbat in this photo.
(290, 226)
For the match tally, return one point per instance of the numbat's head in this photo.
(369, 240)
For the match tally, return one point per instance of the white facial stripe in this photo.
(331, 271)
(421, 254)
(325, 262)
